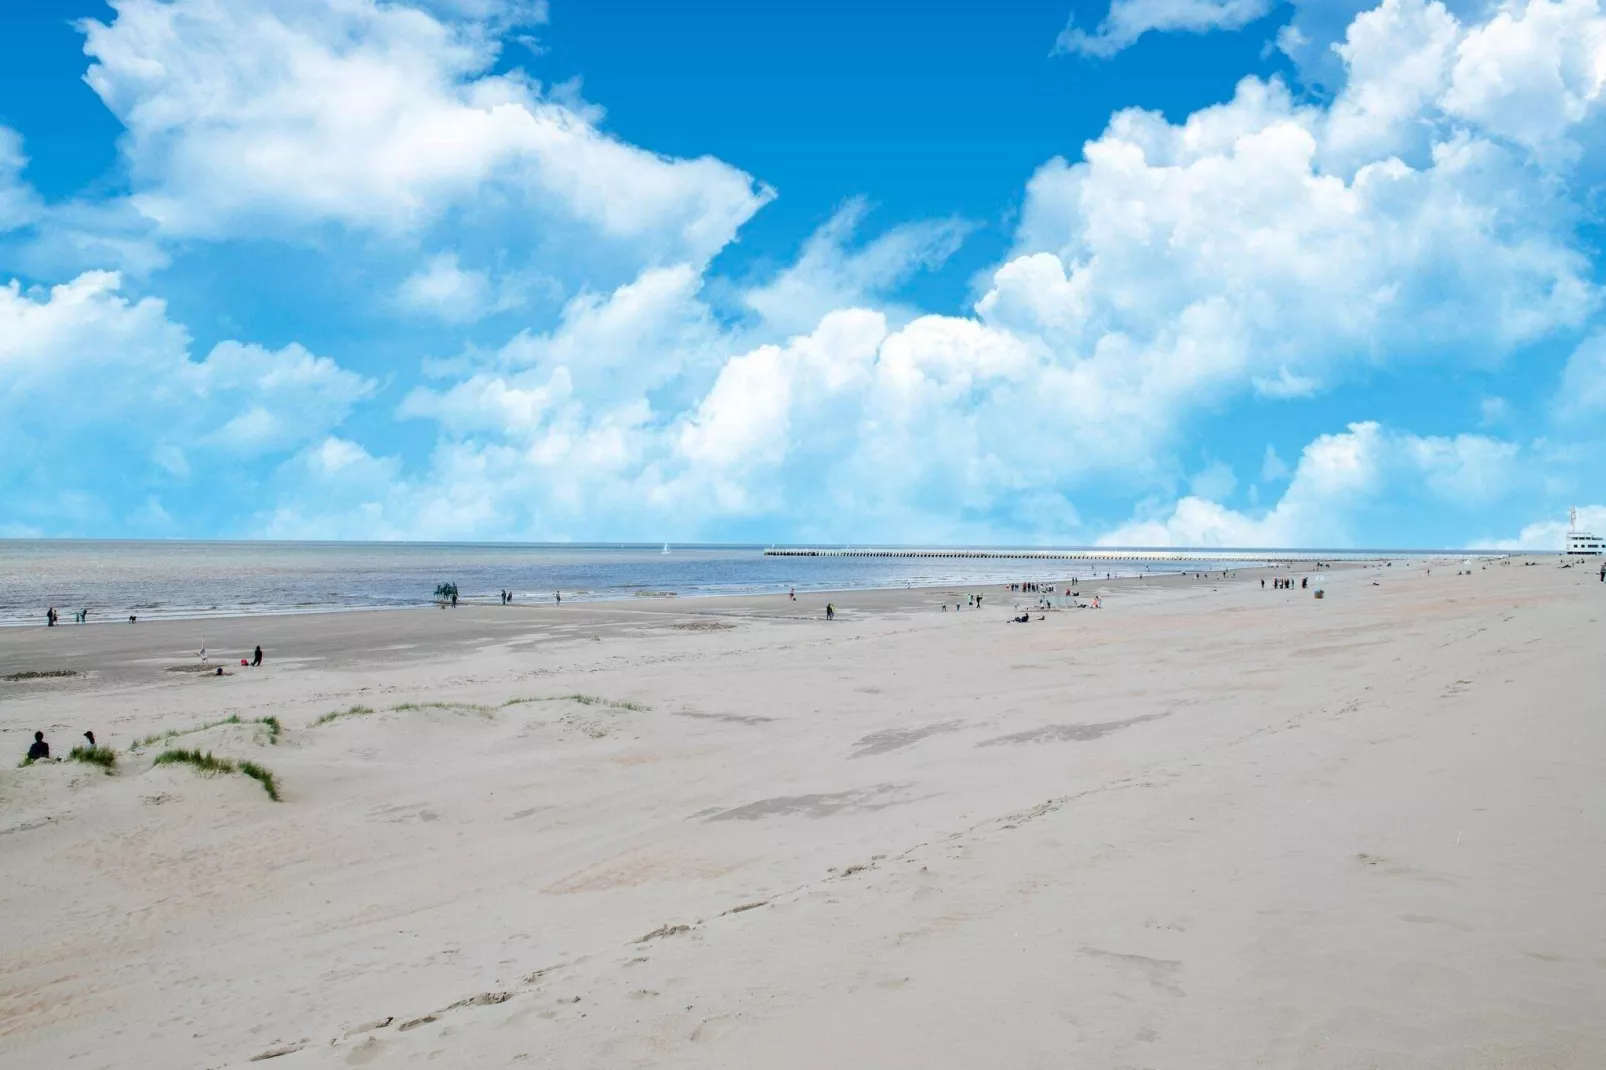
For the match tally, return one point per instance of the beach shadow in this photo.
(877, 797)
(892, 739)
(1071, 733)
(729, 718)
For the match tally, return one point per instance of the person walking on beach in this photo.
(50, 617)
(256, 658)
(559, 596)
(40, 751)
(830, 611)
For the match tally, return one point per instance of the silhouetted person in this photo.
(830, 611)
(40, 749)
(256, 659)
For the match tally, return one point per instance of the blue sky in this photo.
(1187, 272)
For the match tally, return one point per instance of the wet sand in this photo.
(1204, 826)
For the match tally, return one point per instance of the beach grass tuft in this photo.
(354, 711)
(584, 700)
(158, 737)
(207, 765)
(263, 776)
(472, 706)
(274, 728)
(203, 763)
(104, 757)
(25, 762)
(598, 700)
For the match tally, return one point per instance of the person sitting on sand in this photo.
(91, 737)
(256, 659)
(40, 751)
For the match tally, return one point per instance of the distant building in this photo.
(1583, 543)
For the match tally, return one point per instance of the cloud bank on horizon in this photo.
(1410, 202)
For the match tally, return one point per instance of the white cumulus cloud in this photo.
(91, 382)
(1341, 484)
(1129, 20)
(246, 117)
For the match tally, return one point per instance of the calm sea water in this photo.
(200, 579)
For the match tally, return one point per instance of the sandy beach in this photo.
(1206, 825)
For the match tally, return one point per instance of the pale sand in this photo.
(1204, 826)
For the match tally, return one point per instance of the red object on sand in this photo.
(244, 662)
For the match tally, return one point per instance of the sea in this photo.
(157, 580)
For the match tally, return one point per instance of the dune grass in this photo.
(584, 700)
(262, 775)
(473, 706)
(207, 765)
(354, 711)
(158, 737)
(25, 762)
(476, 707)
(104, 757)
(363, 711)
(270, 723)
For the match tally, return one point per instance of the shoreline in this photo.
(1329, 564)
(140, 655)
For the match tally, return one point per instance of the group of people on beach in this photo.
(40, 750)
(1032, 587)
(52, 618)
(1286, 584)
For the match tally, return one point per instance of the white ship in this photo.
(1582, 542)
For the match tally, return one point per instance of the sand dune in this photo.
(1205, 826)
